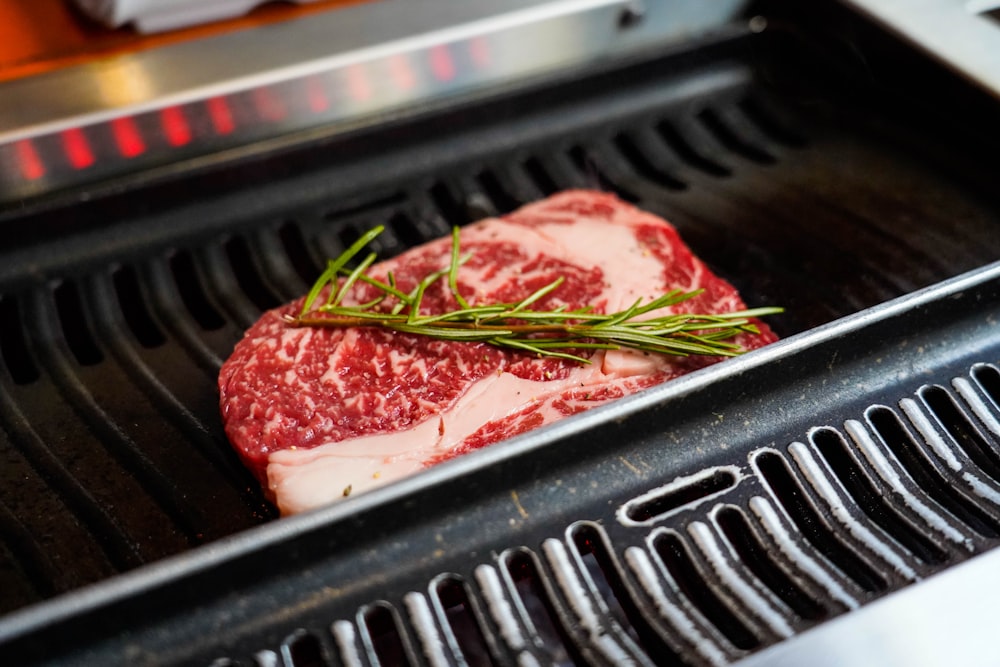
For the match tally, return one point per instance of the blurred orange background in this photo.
(39, 35)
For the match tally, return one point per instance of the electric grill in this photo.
(782, 507)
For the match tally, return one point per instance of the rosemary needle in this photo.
(554, 333)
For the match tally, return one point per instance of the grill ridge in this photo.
(793, 499)
(929, 472)
(749, 548)
(168, 306)
(871, 499)
(18, 363)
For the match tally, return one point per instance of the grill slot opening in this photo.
(757, 558)
(134, 309)
(449, 207)
(295, 247)
(193, 292)
(384, 636)
(644, 166)
(540, 176)
(504, 201)
(957, 424)
(686, 152)
(678, 560)
(75, 327)
(596, 177)
(13, 346)
(659, 504)
(247, 275)
(453, 597)
(594, 553)
(535, 601)
(787, 492)
(303, 649)
(729, 138)
(890, 430)
(834, 449)
(988, 378)
(369, 206)
(768, 121)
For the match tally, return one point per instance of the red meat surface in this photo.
(320, 413)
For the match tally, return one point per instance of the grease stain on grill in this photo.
(682, 493)
(13, 346)
(75, 325)
(193, 293)
(134, 308)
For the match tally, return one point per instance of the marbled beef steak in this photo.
(318, 412)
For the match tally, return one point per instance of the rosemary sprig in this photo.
(550, 333)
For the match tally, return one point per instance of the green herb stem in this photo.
(556, 333)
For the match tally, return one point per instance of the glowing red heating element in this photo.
(175, 126)
(221, 115)
(127, 137)
(77, 148)
(31, 164)
(402, 72)
(442, 64)
(316, 95)
(358, 86)
(479, 50)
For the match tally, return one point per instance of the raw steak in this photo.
(321, 413)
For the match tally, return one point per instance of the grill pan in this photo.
(694, 524)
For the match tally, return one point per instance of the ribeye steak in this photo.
(317, 413)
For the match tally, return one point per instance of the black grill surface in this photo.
(692, 524)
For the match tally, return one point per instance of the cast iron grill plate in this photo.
(692, 524)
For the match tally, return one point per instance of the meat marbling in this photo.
(319, 413)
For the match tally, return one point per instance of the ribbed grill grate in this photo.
(691, 532)
(817, 529)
